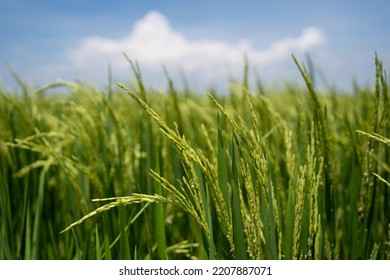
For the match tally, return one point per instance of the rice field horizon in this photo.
(256, 172)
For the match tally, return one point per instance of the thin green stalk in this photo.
(36, 242)
(240, 250)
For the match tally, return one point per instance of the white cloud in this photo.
(154, 43)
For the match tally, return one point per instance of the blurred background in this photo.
(201, 43)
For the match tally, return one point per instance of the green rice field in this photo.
(252, 173)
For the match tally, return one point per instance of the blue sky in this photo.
(45, 40)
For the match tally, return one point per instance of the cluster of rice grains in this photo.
(278, 174)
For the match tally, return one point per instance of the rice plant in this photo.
(135, 173)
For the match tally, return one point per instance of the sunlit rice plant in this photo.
(134, 173)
